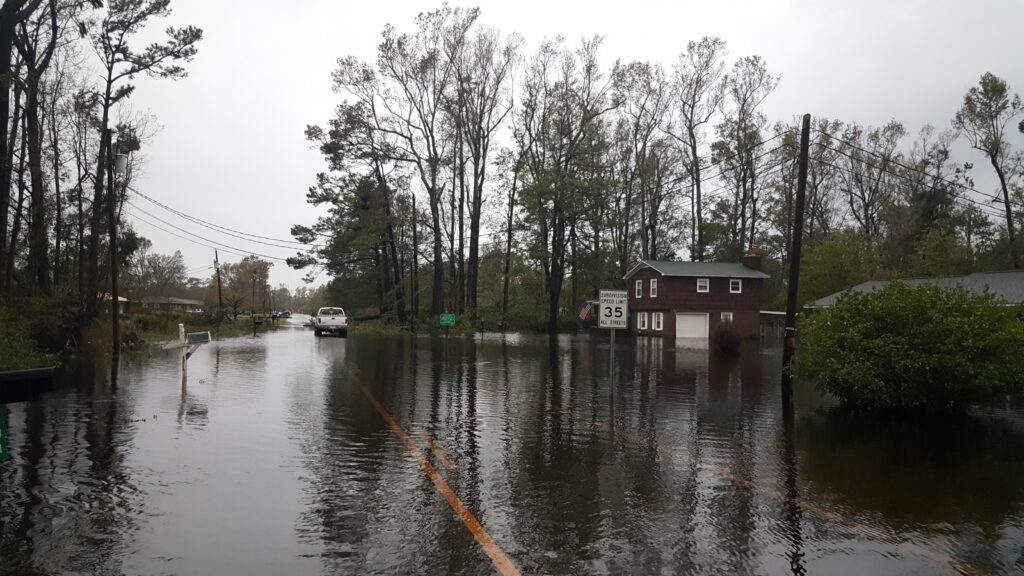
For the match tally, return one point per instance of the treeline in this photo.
(69, 142)
(469, 173)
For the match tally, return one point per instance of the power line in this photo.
(224, 229)
(911, 168)
(218, 244)
(141, 219)
(731, 156)
(985, 209)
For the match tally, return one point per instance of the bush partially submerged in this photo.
(919, 347)
(726, 340)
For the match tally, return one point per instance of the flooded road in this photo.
(290, 454)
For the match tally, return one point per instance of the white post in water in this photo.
(184, 354)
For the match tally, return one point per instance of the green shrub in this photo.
(18, 349)
(727, 340)
(920, 347)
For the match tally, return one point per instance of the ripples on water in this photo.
(271, 461)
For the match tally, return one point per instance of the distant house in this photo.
(169, 303)
(122, 302)
(1006, 285)
(691, 299)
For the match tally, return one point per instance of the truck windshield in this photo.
(331, 312)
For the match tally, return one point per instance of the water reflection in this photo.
(663, 459)
(67, 500)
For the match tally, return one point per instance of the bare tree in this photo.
(483, 76)
(564, 94)
(870, 157)
(419, 71)
(698, 93)
(983, 117)
(36, 51)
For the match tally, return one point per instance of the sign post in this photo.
(188, 344)
(447, 320)
(613, 313)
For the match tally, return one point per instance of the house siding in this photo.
(679, 294)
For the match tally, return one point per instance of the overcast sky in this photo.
(230, 146)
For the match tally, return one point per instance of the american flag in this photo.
(586, 311)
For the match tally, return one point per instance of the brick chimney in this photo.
(752, 260)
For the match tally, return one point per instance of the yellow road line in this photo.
(426, 439)
(869, 531)
(489, 546)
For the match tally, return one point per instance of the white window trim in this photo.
(654, 287)
(739, 289)
(641, 320)
(726, 318)
(639, 288)
(707, 285)
(658, 321)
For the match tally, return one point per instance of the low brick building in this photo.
(168, 303)
(691, 299)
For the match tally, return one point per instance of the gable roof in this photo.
(1007, 285)
(697, 269)
(170, 300)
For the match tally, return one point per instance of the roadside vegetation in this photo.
(509, 186)
(18, 348)
(466, 172)
(915, 348)
(162, 326)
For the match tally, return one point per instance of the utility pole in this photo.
(252, 301)
(794, 267)
(220, 296)
(112, 217)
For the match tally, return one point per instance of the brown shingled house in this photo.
(691, 299)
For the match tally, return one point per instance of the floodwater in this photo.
(290, 454)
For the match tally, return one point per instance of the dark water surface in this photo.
(274, 460)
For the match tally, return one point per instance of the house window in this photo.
(727, 317)
(641, 321)
(654, 287)
(703, 285)
(735, 285)
(639, 288)
(658, 319)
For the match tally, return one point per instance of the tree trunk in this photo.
(38, 238)
(415, 278)
(1009, 214)
(698, 207)
(381, 280)
(460, 283)
(95, 224)
(508, 252)
(556, 269)
(6, 155)
(16, 227)
(6, 178)
(59, 226)
(115, 321)
(81, 228)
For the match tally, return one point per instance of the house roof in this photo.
(170, 300)
(1007, 285)
(698, 269)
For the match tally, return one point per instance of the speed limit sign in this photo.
(613, 311)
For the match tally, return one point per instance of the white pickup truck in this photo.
(330, 319)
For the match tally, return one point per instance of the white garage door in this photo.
(691, 326)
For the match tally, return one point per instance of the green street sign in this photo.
(447, 319)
